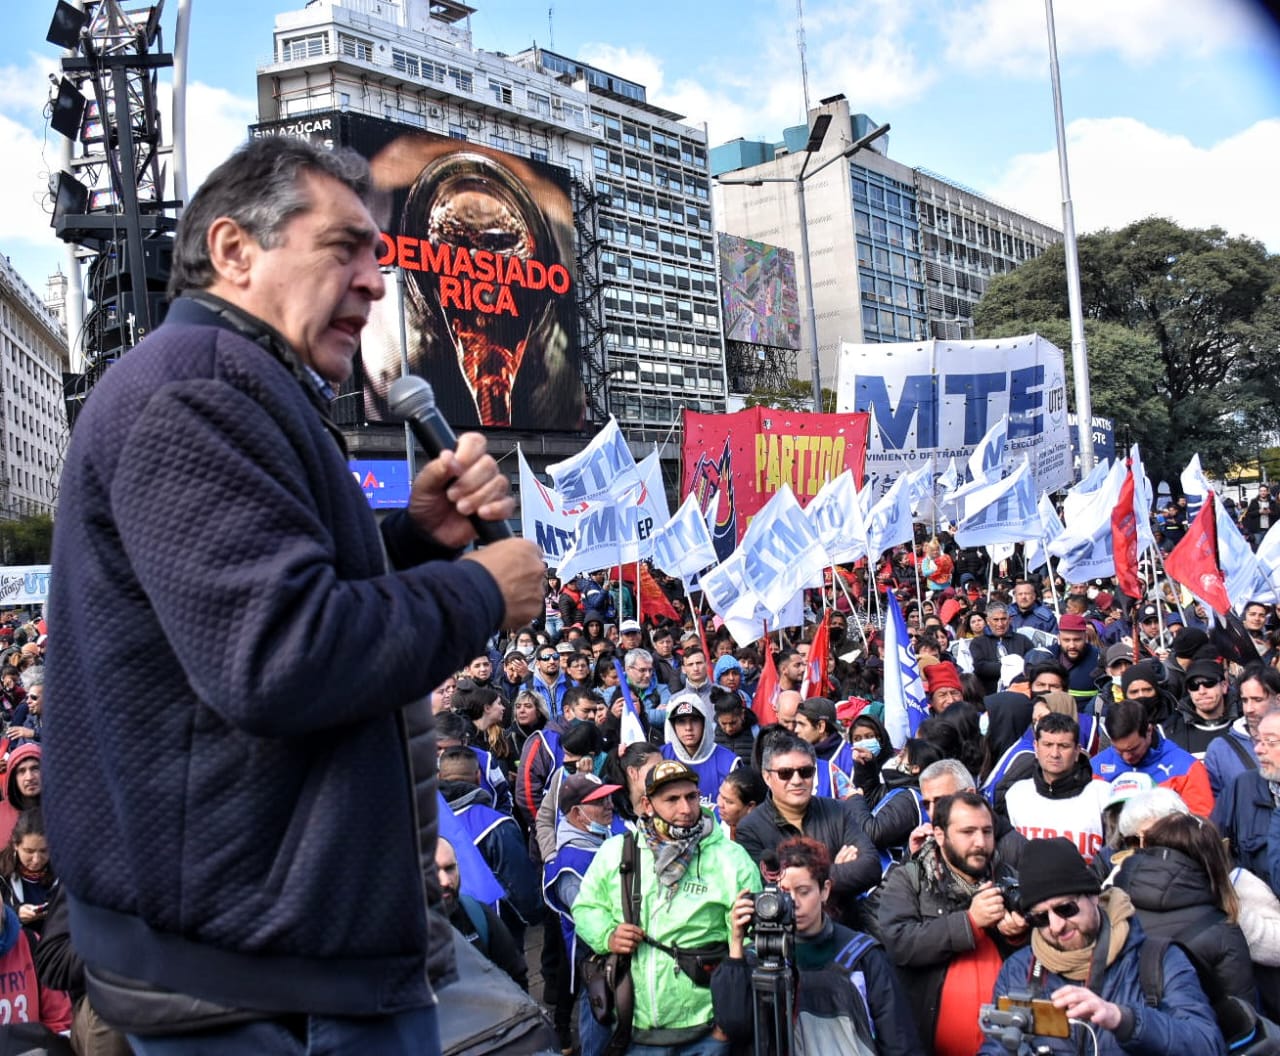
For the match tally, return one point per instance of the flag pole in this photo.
(639, 618)
(1053, 587)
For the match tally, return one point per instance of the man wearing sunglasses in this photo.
(1084, 957)
(793, 809)
(1204, 713)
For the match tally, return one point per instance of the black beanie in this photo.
(1188, 642)
(1053, 868)
(1143, 671)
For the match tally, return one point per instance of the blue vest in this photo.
(1027, 743)
(573, 860)
(886, 856)
(711, 771)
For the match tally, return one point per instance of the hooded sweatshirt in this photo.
(14, 801)
(709, 761)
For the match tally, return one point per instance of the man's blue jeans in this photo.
(414, 1033)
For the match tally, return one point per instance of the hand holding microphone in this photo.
(461, 495)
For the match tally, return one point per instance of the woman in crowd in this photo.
(740, 793)
(529, 714)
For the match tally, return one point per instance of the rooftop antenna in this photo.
(804, 68)
(551, 25)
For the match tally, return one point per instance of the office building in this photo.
(33, 420)
(897, 253)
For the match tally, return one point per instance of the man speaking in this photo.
(243, 843)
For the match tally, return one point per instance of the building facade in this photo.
(897, 254)
(647, 280)
(33, 419)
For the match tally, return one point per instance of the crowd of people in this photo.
(240, 835)
(1095, 773)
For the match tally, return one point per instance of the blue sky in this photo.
(1172, 106)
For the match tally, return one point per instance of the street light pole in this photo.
(799, 181)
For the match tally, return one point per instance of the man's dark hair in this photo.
(801, 852)
(1125, 718)
(1055, 722)
(696, 650)
(260, 188)
(1047, 667)
(1265, 675)
(785, 655)
(660, 634)
(1254, 605)
(749, 652)
(785, 745)
(574, 694)
(461, 757)
(942, 808)
(575, 657)
(450, 726)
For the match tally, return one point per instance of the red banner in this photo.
(744, 458)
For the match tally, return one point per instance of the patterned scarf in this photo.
(673, 850)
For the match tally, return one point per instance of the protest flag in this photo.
(763, 702)
(905, 704)
(632, 731)
(1124, 538)
(653, 600)
(815, 673)
(1194, 561)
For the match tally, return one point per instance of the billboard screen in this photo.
(758, 284)
(384, 481)
(483, 241)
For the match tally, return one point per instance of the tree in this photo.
(1182, 327)
(27, 540)
(796, 395)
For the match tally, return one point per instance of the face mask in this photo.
(869, 745)
(525, 650)
(596, 829)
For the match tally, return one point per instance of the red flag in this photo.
(1194, 561)
(1124, 538)
(767, 687)
(653, 600)
(815, 672)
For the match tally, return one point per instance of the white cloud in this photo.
(864, 50)
(216, 124)
(1122, 171)
(1011, 35)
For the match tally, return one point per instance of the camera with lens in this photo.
(773, 923)
(1011, 892)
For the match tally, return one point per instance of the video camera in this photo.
(773, 924)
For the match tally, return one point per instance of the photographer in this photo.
(848, 997)
(1085, 958)
(947, 924)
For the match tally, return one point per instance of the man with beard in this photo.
(1060, 798)
(946, 925)
(1079, 658)
(475, 921)
(1084, 957)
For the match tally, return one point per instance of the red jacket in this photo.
(22, 998)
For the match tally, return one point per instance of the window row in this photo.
(897, 265)
(626, 268)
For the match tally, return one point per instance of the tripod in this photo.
(774, 997)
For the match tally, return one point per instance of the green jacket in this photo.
(697, 915)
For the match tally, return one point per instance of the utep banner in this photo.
(747, 457)
(936, 400)
(24, 584)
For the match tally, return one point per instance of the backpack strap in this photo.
(1250, 763)
(475, 913)
(853, 950)
(1151, 968)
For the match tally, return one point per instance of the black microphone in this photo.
(412, 399)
